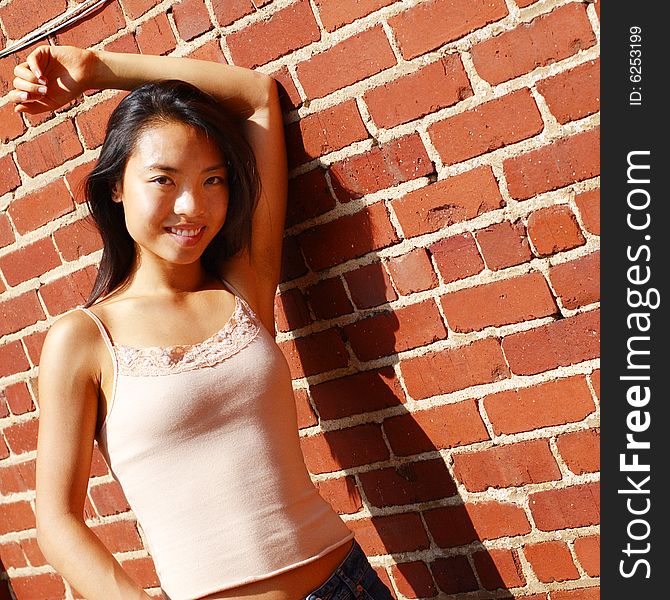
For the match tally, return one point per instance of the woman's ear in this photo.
(116, 193)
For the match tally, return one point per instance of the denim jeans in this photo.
(354, 579)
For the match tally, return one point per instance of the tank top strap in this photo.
(102, 328)
(233, 289)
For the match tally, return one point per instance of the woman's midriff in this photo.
(289, 585)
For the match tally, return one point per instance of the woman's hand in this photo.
(51, 77)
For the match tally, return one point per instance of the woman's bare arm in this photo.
(68, 399)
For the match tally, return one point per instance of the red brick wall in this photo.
(439, 304)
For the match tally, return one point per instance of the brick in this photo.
(155, 36)
(308, 197)
(412, 272)
(595, 380)
(554, 166)
(577, 282)
(6, 231)
(9, 175)
(547, 404)
(12, 124)
(24, 16)
(554, 229)
(93, 122)
(19, 401)
(35, 587)
(49, 149)
(38, 208)
(504, 245)
(77, 239)
(388, 534)
(382, 167)
(304, 412)
(354, 59)
(545, 40)
(580, 450)
(12, 358)
(109, 499)
(588, 204)
(76, 180)
(573, 94)
(341, 493)
(29, 261)
(432, 24)
(329, 299)
(551, 561)
(125, 43)
(33, 343)
(315, 353)
(448, 201)
(446, 426)
(387, 333)
(487, 127)
(291, 310)
(23, 474)
(102, 24)
(191, 18)
(457, 257)
(118, 536)
(576, 506)
(409, 483)
(142, 570)
(19, 312)
(561, 343)
(499, 303)
(335, 13)
(499, 568)
(22, 437)
(438, 85)
(12, 557)
(136, 8)
(210, 51)
(370, 286)
(360, 393)
(344, 448)
(324, 132)
(454, 369)
(350, 236)
(229, 11)
(413, 579)
(454, 574)
(286, 30)
(524, 3)
(289, 96)
(505, 466)
(292, 262)
(15, 516)
(591, 593)
(587, 550)
(492, 520)
(67, 292)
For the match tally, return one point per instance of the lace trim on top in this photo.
(238, 331)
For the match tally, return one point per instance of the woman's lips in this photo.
(185, 236)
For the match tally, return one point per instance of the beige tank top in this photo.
(203, 440)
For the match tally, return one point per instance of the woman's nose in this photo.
(189, 202)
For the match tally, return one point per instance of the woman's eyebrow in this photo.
(169, 169)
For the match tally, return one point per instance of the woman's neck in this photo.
(167, 279)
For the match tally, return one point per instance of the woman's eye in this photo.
(217, 179)
(162, 180)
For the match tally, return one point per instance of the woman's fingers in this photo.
(22, 85)
(38, 60)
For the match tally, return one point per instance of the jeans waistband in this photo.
(350, 570)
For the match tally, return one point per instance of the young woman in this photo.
(172, 365)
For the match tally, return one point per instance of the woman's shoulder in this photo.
(73, 335)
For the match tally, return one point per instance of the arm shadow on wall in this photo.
(357, 343)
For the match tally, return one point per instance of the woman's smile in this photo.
(186, 236)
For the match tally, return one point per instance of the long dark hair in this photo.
(163, 102)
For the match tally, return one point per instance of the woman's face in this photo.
(174, 192)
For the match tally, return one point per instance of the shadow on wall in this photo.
(347, 344)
